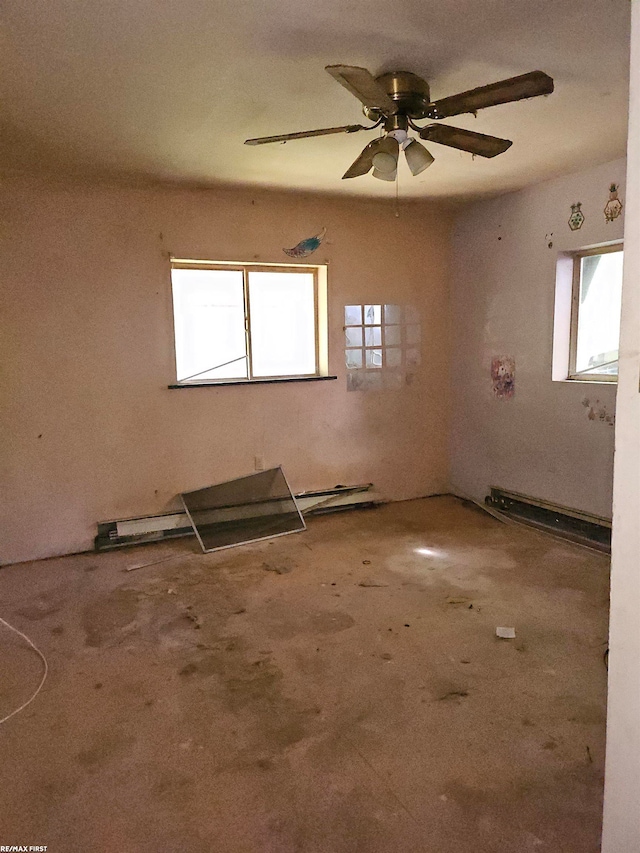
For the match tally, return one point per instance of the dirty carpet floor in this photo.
(336, 690)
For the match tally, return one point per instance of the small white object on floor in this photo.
(506, 633)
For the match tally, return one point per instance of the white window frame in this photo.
(319, 273)
(575, 309)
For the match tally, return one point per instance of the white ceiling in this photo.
(169, 89)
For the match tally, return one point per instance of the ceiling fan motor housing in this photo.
(409, 93)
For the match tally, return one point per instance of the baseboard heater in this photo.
(569, 523)
(157, 528)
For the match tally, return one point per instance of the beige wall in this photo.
(621, 832)
(541, 442)
(90, 430)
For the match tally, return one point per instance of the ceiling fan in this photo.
(397, 99)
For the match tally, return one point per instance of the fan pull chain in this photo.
(397, 205)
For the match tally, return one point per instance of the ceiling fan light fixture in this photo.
(418, 157)
(401, 136)
(386, 157)
(385, 176)
(385, 162)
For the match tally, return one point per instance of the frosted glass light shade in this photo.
(386, 157)
(418, 158)
(385, 176)
(385, 162)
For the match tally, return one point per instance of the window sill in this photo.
(252, 382)
(589, 381)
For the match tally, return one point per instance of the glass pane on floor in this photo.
(258, 506)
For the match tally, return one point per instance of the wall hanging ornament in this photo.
(306, 247)
(613, 208)
(576, 220)
(503, 376)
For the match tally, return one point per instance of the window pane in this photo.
(599, 313)
(393, 380)
(372, 381)
(413, 335)
(373, 336)
(393, 357)
(353, 336)
(392, 336)
(208, 307)
(372, 315)
(392, 314)
(283, 329)
(413, 357)
(373, 358)
(353, 358)
(353, 315)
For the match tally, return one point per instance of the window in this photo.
(382, 345)
(248, 322)
(595, 314)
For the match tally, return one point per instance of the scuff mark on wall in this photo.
(597, 411)
(503, 376)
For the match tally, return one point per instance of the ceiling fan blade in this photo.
(465, 140)
(364, 161)
(514, 89)
(303, 134)
(364, 86)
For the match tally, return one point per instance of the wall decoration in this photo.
(613, 208)
(306, 247)
(382, 346)
(576, 220)
(503, 376)
(597, 411)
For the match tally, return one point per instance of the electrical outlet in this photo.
(259, 463)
